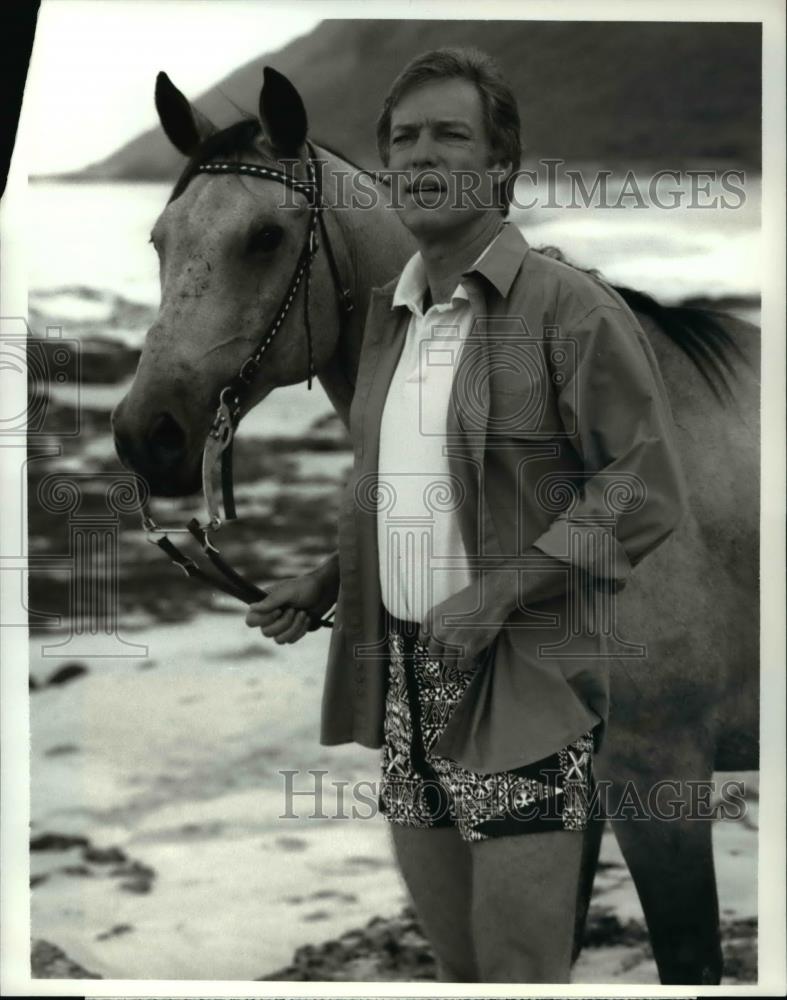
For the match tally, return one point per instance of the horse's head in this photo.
(228, 246)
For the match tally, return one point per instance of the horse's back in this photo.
(693, 601)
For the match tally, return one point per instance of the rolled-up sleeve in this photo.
(614, 410)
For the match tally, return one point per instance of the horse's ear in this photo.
(282, 113)
(184, 126)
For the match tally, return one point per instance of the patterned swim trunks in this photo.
(420, 788)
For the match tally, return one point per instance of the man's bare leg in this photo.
(437, 869)
(524, 899)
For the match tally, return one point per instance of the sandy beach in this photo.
(160, 850)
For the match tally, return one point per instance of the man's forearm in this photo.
(526, 580)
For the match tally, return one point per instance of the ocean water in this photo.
(94, 238)
(93, 273)
(91, 243)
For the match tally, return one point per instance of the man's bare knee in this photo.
(464, 971)
(509, 957)
(523, 906)
(437, 868)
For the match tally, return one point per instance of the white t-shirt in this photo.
(422, 557)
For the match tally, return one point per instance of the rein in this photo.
(218, 445)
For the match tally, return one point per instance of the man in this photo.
(501, 493)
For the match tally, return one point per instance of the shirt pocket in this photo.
(522, 406)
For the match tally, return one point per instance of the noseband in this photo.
(218, 446)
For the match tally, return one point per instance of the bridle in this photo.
(218, 445)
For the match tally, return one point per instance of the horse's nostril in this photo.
(166, 438)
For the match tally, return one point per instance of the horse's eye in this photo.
(265, 240)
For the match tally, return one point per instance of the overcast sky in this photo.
(94, 63)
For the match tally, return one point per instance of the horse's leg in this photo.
(671, 860)
(590, 852)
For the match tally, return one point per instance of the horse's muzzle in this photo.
(160, 454)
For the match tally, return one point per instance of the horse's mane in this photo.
(230, 141)
(235, 140)
(699, 332)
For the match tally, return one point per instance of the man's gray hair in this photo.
(501, 114)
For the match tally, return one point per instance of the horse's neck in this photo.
(373, 246)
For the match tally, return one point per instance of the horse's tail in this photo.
(699, 332)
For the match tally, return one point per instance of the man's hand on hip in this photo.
(475, 616)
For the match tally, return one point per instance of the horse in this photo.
(227, 246)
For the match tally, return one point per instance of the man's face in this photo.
(438, 136)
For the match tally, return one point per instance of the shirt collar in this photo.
(412, 287)
(498, 263)
(502, 259)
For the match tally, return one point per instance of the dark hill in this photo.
(670, 93)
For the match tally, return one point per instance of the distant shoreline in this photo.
(80, 177)
(94, 174)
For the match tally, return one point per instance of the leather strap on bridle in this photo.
(231, 396)
(222, 431)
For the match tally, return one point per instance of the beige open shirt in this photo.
(559, 434)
